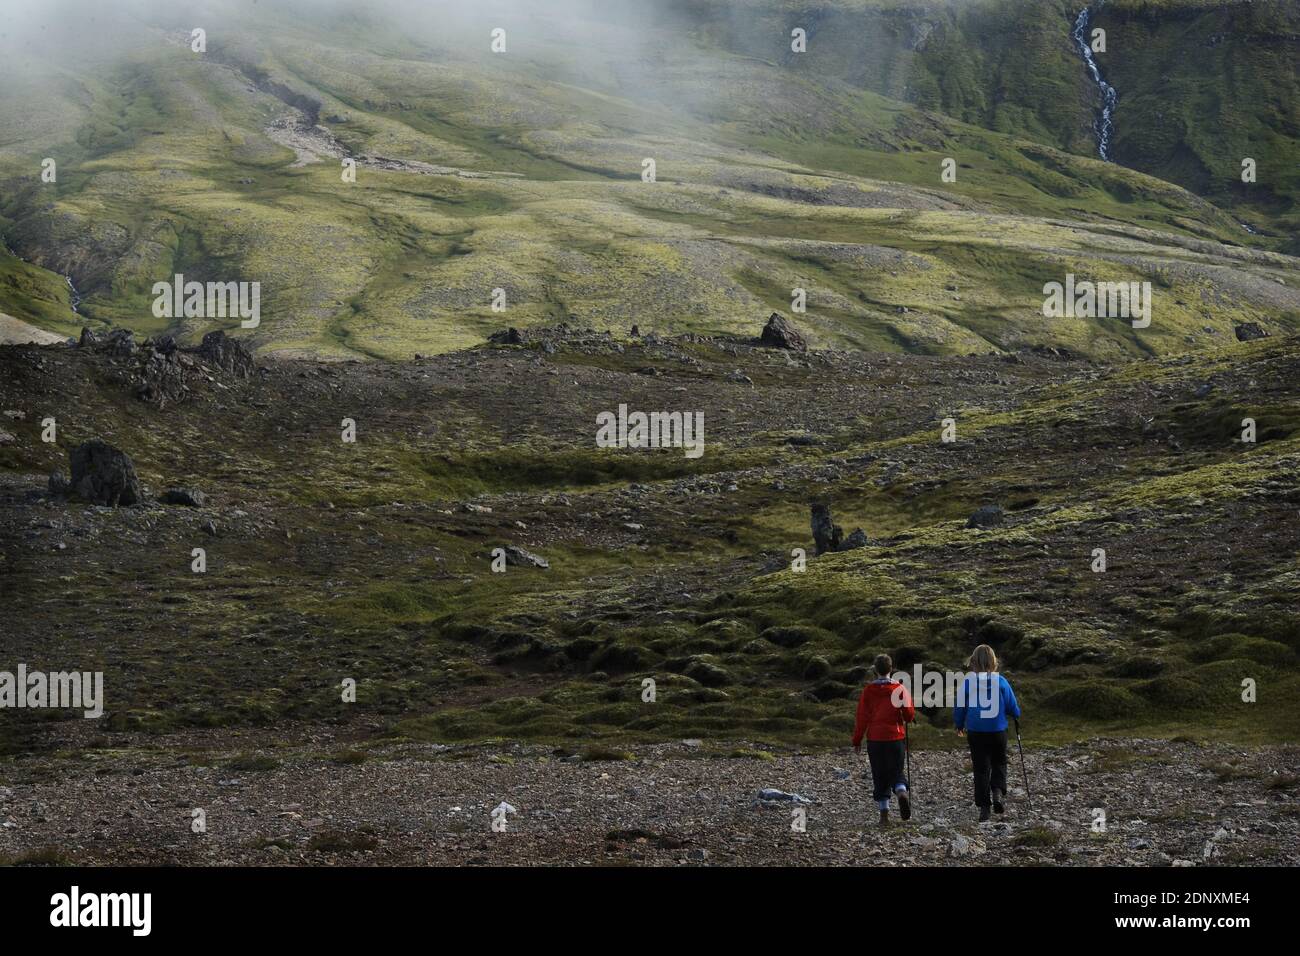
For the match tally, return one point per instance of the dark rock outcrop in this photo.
(858, 539)
(162, 372)
(827, 535)
(190, 497)
(162, 379)
(104, 475)
(510, 336)
(519, 557)
(121, 342)
(1249, 331)
(986, 516)
(228, 354)
(780, 334)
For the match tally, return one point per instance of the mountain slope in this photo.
(521, 172)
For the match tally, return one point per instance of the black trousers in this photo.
(888, 758)
(988, 755)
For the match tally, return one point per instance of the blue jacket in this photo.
(980, 708)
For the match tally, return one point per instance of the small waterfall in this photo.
(1104, 125)
(74, 297)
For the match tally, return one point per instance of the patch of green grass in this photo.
(349, 758)
(1036, 837)
(593, 754)
(252, 763)
(43, 856)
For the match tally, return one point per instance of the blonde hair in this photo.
(982, 659)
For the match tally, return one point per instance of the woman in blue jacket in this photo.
(984, 701)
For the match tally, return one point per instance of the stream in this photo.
(1104, 125)
(74, 297)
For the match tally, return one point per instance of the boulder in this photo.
(161, 378)
(521, 558)
(962, 846)
(987, 516)
(164, 344)
(780, 334)
(121, 342)
(104, 475)
(1249, 331)
(827, 535)
(228, 354)
(510, 336)
(858, 539)
(189, 497)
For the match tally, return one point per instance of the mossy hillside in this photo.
(391, 586)
(944, 56)
(1175, 127)
(1011, 67)
(444, 649)
(35, 292)
(901, 605)
(891, 597)
(173, 172)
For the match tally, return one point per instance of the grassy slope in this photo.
(1202, 83)
(769, 173)
(1174, 125)
(359, 562)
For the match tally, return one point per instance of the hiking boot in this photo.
(984, 814)
(904, 805)
(998, 797)
(884, 818)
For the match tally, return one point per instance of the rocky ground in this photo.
(371, 561)
(670, 804)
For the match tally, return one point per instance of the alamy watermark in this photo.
(75, 908)
(215, 300)
(62, 690)
(982, 691)
(651, 430)
(1093, 300)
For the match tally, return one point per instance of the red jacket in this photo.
(879, 718)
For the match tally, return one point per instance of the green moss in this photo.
(1173, 693)
(252, 763)
(1093, 700)
(1037, 837)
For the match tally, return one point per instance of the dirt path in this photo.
(682, 803)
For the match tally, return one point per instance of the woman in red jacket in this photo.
(882, 710)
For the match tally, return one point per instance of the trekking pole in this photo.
(907, 750)
(1020, 747)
